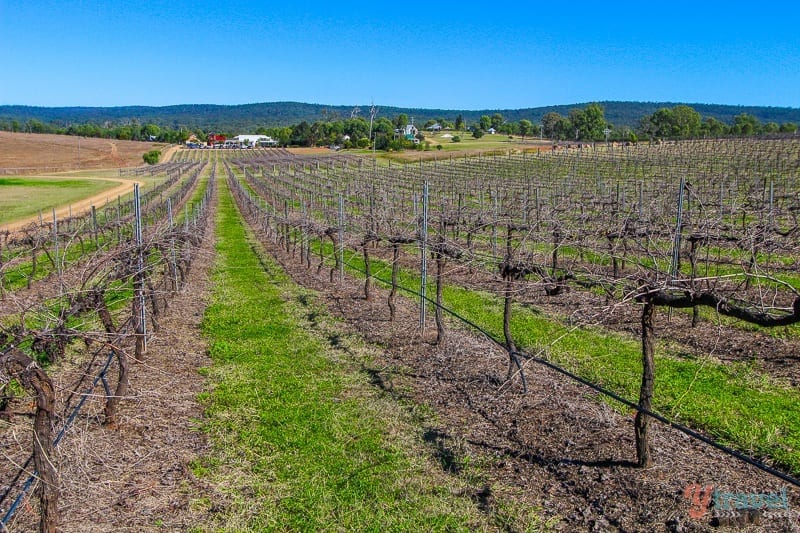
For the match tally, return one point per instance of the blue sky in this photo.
(451, 55)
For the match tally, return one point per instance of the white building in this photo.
(255, 140)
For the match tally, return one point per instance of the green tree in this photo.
(556, 127)
(712, 127)
(37, 126)
(510, 128)
(497, 120)
(356, 128)
(383, 125)
(151, 157)
(680, 122)
(400, 121)
(788, 127)
(123, 133)
(381, 141)
(477, 133)
(588, 123)
(744, 124)
(525, 128)
(459, 125)
(686, 122)
(485, 122)
(301, 135)
(151, 131)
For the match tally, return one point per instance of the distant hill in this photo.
(248, 117)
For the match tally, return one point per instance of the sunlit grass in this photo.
(300, 441)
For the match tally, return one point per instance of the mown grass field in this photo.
(24, 196)
(500, 143)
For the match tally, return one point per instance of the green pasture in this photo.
(487, 142)
(22, 197)
(25, 196)
(500, 143)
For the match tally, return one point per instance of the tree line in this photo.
(586, 124)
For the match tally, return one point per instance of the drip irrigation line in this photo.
(13, 483)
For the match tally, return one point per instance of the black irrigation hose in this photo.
(27, 485)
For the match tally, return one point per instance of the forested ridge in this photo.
(248, 117)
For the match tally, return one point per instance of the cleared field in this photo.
(32, 153)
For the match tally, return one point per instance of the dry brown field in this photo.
(28, 153)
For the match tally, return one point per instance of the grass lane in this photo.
(300, 440)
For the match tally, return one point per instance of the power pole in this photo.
(373, 112)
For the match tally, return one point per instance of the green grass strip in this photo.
(302, 442)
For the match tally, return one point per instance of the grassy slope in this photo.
(300, 441)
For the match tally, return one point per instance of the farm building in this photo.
(255, 140)
(409, 132)
(215, 140)
(193, 141)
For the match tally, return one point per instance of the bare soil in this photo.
(29, 153)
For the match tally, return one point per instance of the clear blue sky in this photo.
(439, 54)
